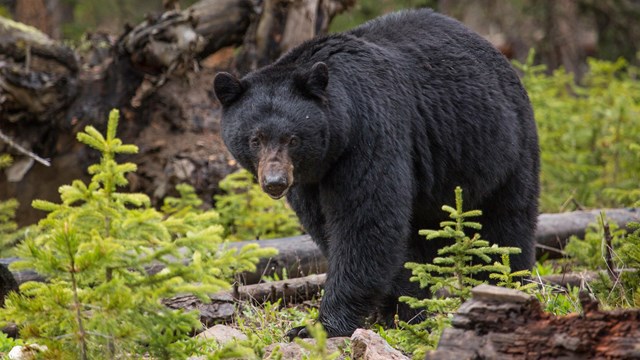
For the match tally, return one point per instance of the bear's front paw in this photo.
(303, 333)
(298, 332)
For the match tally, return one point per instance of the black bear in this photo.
(368, 132)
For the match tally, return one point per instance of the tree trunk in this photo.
(283, 25)
(562, 32)
(45, 15)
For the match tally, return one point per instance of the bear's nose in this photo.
(275, 186)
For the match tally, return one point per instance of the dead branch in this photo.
(222, 306)
(22, 150)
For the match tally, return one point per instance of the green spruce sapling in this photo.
(454, 272)
(247, 212)
(95, 248)
(511, 280)
(458, 265)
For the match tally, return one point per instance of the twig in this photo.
(550, 248)
(608, 255)
(24, 151)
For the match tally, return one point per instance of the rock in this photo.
(26, 352)
(222, 334)
(16, 172)
(367, 345)
(486, 292)
(293, 351)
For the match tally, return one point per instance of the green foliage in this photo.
(588, 132)
(94, 247)
(558, 300)
(620, 286)
(365, 10)
(269, 323)
(247, 212)
(7, 343)
(8, 227)
(630, 259)
(511, 280)
(317, 350)
(5, 160)
(109, 16)
(266, 325)
(9, 232)
(419, 338)
(590, 252)
(605, 241)
(4, 12)
(453, 272)
(627, 195)
(188, 201)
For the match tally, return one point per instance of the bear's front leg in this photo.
(368, 230)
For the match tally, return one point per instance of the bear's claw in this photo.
(298, 332)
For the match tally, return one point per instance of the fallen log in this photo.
(554, 230)
(501, 323)
(299, 290)
(223, 304)
(299, 256)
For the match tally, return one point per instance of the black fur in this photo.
(415, 105)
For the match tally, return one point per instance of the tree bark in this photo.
(45, 15)
(284, 24)
(501, 323)
(561, 45)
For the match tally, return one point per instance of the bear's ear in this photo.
(227, 88)
(314, 82)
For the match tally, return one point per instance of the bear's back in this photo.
(429, 36)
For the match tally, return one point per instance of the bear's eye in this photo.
(255, 142)
(294, 141)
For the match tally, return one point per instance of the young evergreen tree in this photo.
(94, 247)
(247, 212)
(453, 272)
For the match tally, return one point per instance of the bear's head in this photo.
(274, 122)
